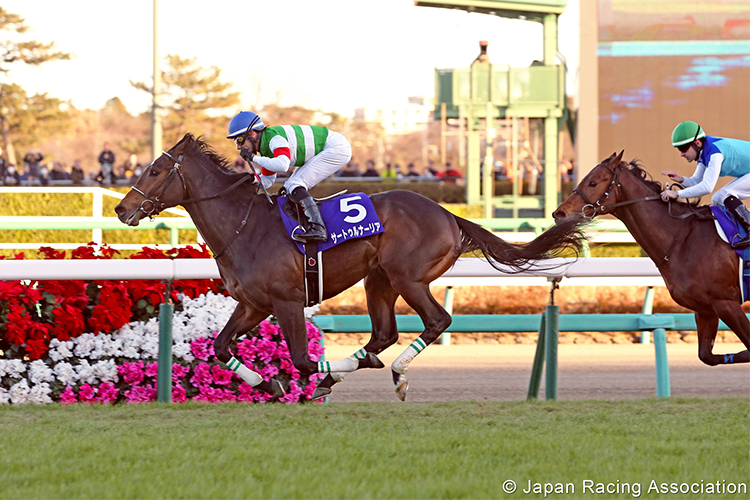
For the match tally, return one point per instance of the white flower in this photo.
(4, 396)
(14, 367)
(85, 373)
(182, 350)
(65, 373)
(19, 393)
(310, 312)
(39, 372)
(39, 394)
(59, 350)
(106, 371)
(84, 345)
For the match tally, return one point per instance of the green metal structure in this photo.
(482, 94)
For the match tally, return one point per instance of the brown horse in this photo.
(699, 268)
(263, 270)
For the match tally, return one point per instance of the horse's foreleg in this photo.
(243, 319)
(435, 319)
(732, 314)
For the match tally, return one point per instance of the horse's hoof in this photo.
(320, 393)
(370, 361)
(402, 385)
(272, 387)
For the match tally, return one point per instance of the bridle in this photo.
(598, 207)
(155, 206)
(152, 205)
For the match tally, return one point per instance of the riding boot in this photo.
(316, 230)
(742, 215)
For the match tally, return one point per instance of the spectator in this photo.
(10, 176)
(3, 163)
(430, 170)
(501, 173)
(43, 175)
(58, 172)
(137, 172)
(370, 171)
(107, 158)
(390, 174)
(450, 174)
(76, 173)
(350, 170)
(411, 171)
(32, 159)
(106, 175)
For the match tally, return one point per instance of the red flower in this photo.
(36, 348)
(68, 322)
(51, 253)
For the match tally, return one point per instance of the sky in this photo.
(330, 55)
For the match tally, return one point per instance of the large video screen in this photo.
(665, 61)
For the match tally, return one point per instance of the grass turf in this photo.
(379, 450)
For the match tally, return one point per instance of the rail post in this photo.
(551, 334)
(164, 381)
(538, 366)
(647, 308)
(445, 338)
(662, 366)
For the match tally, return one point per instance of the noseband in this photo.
(152, 205)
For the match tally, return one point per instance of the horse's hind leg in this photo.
(244, 319)
(381, 303)
(732, 314)
(435, 319)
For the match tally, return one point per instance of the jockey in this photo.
(317, 151)
(716, 156)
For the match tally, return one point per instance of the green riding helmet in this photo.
(686, 133)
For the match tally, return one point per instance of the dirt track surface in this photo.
(502, 372)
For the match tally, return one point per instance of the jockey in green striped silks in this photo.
(317, 152)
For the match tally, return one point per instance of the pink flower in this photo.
(107, 393)
(68, 396)
(152, 369)
(246, 350)
(179, 372)
(131, 373)
(201, 375)
(202, 348)
(221, 376)
(293, 394)
(141, 394)
(248, 394)
(86, 394)
(178, 393)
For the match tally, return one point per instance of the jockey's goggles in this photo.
(684, 148)
(240, 140)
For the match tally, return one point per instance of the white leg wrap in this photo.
(339, 376)
(244, 372)
(345, 365)
(401, 363)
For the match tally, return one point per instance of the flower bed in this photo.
(72, 341)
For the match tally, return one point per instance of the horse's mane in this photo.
(206, 150)
(635, 167)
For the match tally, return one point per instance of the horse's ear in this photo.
(618, 159)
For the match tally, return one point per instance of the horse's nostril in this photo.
(119, 210)
(558, 214)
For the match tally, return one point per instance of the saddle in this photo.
(347, 216)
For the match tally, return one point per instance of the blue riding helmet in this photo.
(243, 122)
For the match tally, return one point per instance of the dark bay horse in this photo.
(699, 268)
(263, 270)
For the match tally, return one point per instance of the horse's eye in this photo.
(592, 183)
(154, 172)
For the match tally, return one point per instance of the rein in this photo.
(156, 209)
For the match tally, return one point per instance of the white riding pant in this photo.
(336, 153)
(739, 188)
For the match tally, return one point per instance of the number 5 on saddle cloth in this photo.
(346, 217)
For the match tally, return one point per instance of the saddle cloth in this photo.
(346, 217)
(729, 230)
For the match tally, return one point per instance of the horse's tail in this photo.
(565, 235)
